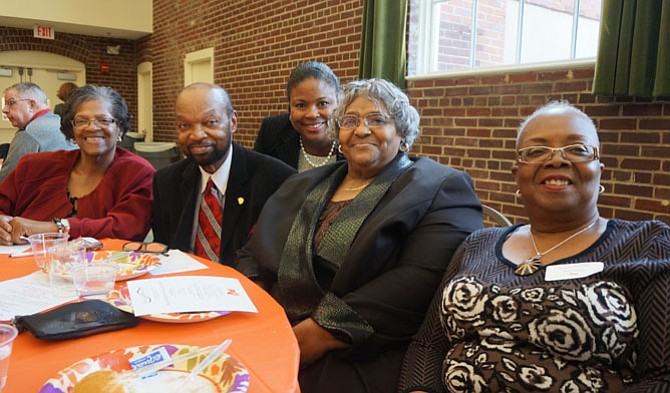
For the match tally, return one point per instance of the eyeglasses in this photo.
(577, 152)
(10, 103)
(146, 248)
(371, 120)
(102, 122)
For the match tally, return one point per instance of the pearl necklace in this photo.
(532, 264)
(322, 163)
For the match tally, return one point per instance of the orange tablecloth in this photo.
(263, 342)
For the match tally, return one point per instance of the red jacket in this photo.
(119, 207)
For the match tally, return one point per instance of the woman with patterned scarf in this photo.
(354, 250)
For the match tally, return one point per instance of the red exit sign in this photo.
(40, 31)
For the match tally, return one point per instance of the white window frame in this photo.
(427, 53)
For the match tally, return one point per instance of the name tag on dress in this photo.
(572, 271)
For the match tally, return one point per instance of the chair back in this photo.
(159, 154)
(492, 215)
(130, 139)
(4, 148)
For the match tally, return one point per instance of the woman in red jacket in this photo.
(100, 190)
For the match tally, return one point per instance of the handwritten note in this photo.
(188, 294)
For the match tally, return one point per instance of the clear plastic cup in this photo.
(94, 278)
(7, 335)
(42, 242)
(61, 259)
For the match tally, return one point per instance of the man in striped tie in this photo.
(208, 203)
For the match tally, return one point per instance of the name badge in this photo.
(572, 271)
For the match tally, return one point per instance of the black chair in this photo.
(4, 148)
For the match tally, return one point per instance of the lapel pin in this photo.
(240, 201)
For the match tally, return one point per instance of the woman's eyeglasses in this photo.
(577, 152)
(146, 248)
(371, 120)
(102, 122)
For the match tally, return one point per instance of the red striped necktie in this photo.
(208, 239)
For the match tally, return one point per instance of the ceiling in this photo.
(60, 27)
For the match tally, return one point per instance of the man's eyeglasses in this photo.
(371, 120)
(10, 103)
(577, 152)
(102, 122)
(146, 248)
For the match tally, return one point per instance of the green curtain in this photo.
(634, 49)
(383, 41)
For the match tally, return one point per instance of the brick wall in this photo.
(256, 44)
(91, 51)
(470, 123)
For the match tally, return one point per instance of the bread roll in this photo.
(103, 381)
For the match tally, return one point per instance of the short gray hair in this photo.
(29, 89)
(381, 91)
(119, 108)
(556, 107)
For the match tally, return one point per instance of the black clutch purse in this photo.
(76, 320)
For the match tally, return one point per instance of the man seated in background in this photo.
(208, 203)
(27, 109)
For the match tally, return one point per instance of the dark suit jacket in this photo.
(278, 139)
(396, 260)
(253, 178)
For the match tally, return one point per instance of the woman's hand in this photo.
(5, 230)
(25, 227)
(314, 341)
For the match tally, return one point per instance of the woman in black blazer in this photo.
(355, 250)
(299, 138)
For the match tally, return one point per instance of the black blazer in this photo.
(253, 178)
(399, 255)
(278, 138)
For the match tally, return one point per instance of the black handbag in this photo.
(76, 320)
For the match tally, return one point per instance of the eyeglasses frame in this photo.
(142, 249)
(596, 153)
(95, 122)
(10, 103)
(365, 121)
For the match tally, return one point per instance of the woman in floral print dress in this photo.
(571, 302)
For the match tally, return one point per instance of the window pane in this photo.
(454, 35)
(443, 41)
(546, 31)
(496, 34)
(589, 28)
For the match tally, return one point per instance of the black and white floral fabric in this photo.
(551, 338)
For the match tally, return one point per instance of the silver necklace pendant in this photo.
(529, 266)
